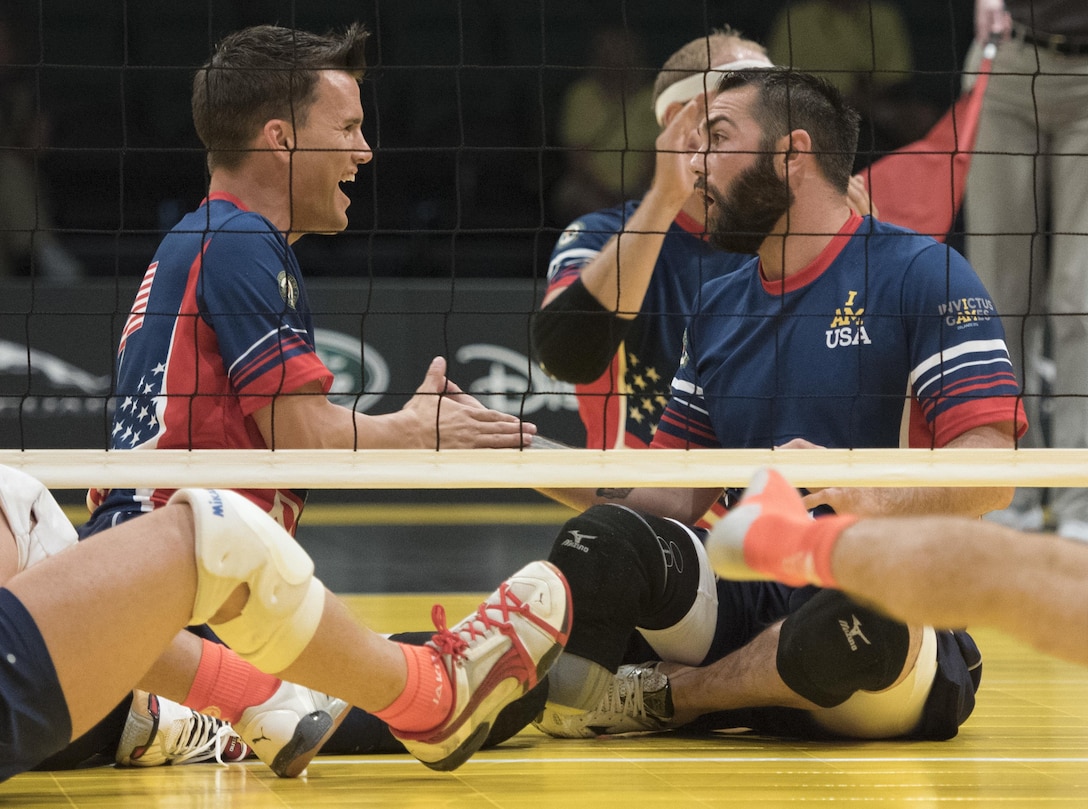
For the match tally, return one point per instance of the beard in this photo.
(741, 220)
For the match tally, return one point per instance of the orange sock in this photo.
(785, 542)
(225, 684)
(427, 697)
(803, 553)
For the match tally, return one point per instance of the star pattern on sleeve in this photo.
(136, 418)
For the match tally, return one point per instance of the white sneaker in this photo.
(639, 699)
(493, 657)
(160, 732)
(289, 728)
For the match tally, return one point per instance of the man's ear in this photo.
(794, 148)
(278, 135)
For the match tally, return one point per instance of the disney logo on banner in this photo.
(356, 366)
(514, 384)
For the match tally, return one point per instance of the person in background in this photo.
(863, 47)
(29, 245)
(623, 280)
(606, 128)
(1026, 211)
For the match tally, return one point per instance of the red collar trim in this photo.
(815, 269)
(691, 225)
(223, 195)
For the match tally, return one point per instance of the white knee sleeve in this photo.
(688, 641)
(238, 543)
(37, 522)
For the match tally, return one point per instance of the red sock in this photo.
(785, 542)
(225, 684)
(427, 697)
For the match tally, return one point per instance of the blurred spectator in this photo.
(28, 242)
(863, 47)
(607, 128)
(1027, 223)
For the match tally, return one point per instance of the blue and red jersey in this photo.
(888, 339)
(220, 326)
(621, 408)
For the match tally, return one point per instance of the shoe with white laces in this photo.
(638, 700)
(493, 657)
(159, 732)
(289, 728)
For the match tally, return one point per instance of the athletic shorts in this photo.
(34, 720)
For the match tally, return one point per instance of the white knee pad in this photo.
(37, 522)
(688, 641)
(238, 543)
(896, 711)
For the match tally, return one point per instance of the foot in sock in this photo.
(492, 658)
(770, 535)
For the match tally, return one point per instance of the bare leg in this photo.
(950, 572)
(937, 570)
(9, 553)
(747, 678)
(172, 675)
(133, 587)
(107, 608)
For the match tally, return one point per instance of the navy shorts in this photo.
(34, 720)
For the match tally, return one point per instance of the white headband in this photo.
(686, 89)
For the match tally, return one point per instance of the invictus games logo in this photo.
(288, 286)
(847, 327)
(967, 311)
(360, 373)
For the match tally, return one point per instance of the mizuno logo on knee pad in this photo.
(852, 632)
(575, 540)
(216, 502)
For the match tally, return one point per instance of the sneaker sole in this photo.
(474, 742)
(498, 699)
(310, 737)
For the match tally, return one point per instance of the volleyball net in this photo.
(450, 230)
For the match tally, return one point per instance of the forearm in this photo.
(620, 274)
(325, 425)
(967, 501)
(683, 505)
(574, 337)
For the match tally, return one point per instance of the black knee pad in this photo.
(832, 647)
(625, 570)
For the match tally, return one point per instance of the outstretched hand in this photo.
(449, 418)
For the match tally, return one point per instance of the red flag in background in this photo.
(920, 186)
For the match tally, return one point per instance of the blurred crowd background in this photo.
(464, 105)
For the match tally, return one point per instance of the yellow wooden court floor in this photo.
(1025, 746)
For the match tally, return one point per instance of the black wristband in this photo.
(575, 337)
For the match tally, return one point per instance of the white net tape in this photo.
(513, 469)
